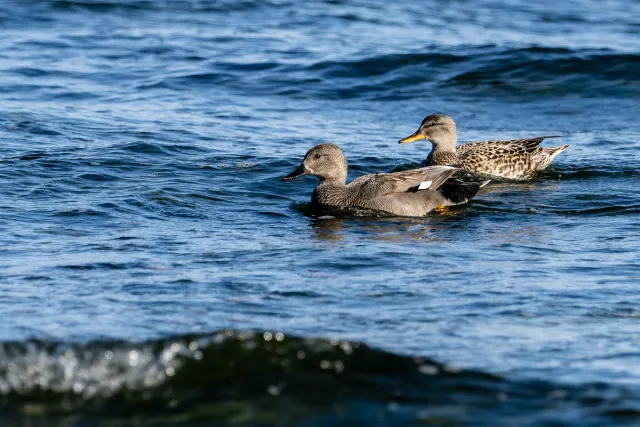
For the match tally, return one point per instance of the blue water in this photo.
(142, 144)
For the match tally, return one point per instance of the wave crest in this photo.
(259, 375)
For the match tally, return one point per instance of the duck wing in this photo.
(514, 159)
(380, 184)
(501, 148)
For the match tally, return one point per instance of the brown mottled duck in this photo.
(517, 159)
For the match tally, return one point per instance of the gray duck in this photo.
(408, 193)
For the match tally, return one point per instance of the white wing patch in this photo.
(424, 185)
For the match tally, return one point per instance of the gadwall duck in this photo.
(409, 193)
(517, 159)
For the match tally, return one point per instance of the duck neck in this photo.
(444, 147)
(335, 178)
(331, 191)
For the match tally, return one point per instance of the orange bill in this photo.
(415, 137)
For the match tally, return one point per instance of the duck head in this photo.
(326, 161)
(437, 128)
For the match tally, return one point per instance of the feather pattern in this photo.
(517, 159)
(399, 182)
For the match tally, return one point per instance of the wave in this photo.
(175, 5)
(461, 71)
(249, 378)
(488, 70)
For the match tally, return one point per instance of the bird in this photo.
(413, 192)
(516, 159)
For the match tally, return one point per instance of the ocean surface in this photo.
(155, 270)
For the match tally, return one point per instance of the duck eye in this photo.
(318, 156)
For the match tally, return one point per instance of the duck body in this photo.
(398, 193)
(408, 193)
(517, 159)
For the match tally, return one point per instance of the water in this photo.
(154, 269)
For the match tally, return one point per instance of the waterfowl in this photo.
(517, 159)
(408, 193)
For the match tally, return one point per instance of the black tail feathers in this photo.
(462, 186)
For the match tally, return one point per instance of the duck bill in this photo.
(296, 173)
(415, 137)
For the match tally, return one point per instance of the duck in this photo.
(516, 159)
(413, 192)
